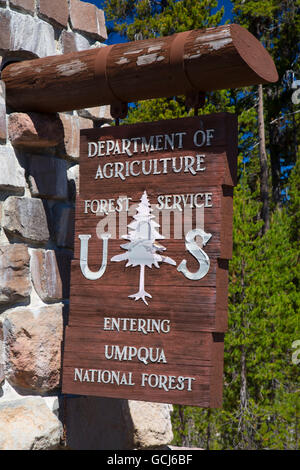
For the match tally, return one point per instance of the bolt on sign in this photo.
(149, 280)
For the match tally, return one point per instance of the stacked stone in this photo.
(38, 184)
(38, 177)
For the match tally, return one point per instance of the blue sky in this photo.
(227, 16)
(228, 9)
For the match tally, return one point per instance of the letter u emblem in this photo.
(84, 248)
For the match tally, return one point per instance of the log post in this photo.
(200, 60)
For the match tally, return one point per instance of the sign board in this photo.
(149, 280)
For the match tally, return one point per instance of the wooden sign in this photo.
(149, 281)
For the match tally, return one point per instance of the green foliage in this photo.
(263, 322)
(160, 18)
(294, 201)
(276, 23)
(151, 19)
(173, 108)
(261, 384)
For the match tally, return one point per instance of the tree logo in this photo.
(142, 249)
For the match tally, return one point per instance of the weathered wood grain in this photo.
(198, 356)
(188, 308)
(201, 60)
(196, 310)
(220, 155)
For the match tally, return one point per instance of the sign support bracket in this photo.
(196, 100)
(118, 110)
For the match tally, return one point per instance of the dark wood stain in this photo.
(196, 310)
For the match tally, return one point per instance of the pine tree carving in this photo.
(142, 249)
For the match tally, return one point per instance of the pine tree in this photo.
(261, 401)
(144, 19)
(276, 23)
(142, 249)
(260, 404)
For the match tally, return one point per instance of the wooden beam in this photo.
(199, 60)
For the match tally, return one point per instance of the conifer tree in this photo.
(260, 400)
(276, 23)
(143, 19)
(142, 249)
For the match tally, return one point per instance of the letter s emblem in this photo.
(198, 253)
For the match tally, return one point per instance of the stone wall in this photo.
(38, 184)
